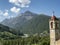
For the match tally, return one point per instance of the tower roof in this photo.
(54, 18)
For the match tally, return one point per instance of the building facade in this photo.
(54, 31)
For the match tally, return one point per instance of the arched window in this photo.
(51, 24)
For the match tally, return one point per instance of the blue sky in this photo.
(11, 8)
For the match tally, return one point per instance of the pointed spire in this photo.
(53, 13)
(53, 16)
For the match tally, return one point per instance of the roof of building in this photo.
(54, 18)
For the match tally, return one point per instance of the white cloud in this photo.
(15, 10)
(24, 3)
(5, 14)
(13, 1)
(21, 3)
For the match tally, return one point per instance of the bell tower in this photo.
(54, 30)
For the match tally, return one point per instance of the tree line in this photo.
(32, 40)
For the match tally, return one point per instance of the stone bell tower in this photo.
(54, 30)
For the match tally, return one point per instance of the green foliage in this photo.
(34, 40)
(7, 35)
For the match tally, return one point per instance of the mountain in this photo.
(19, 20)
(29, 23)
(3, 31)
(37, 24)
(4, 28)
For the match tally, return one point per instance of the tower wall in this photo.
(54, 31)
(52, 37)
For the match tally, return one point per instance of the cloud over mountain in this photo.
(4, 13)
(15, 9)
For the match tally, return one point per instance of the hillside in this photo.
(37, 24)
(29, 23)
(5, 32)
(8, 33)
(4, 28)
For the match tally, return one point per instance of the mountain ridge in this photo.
(19, 19)
(37, 24)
